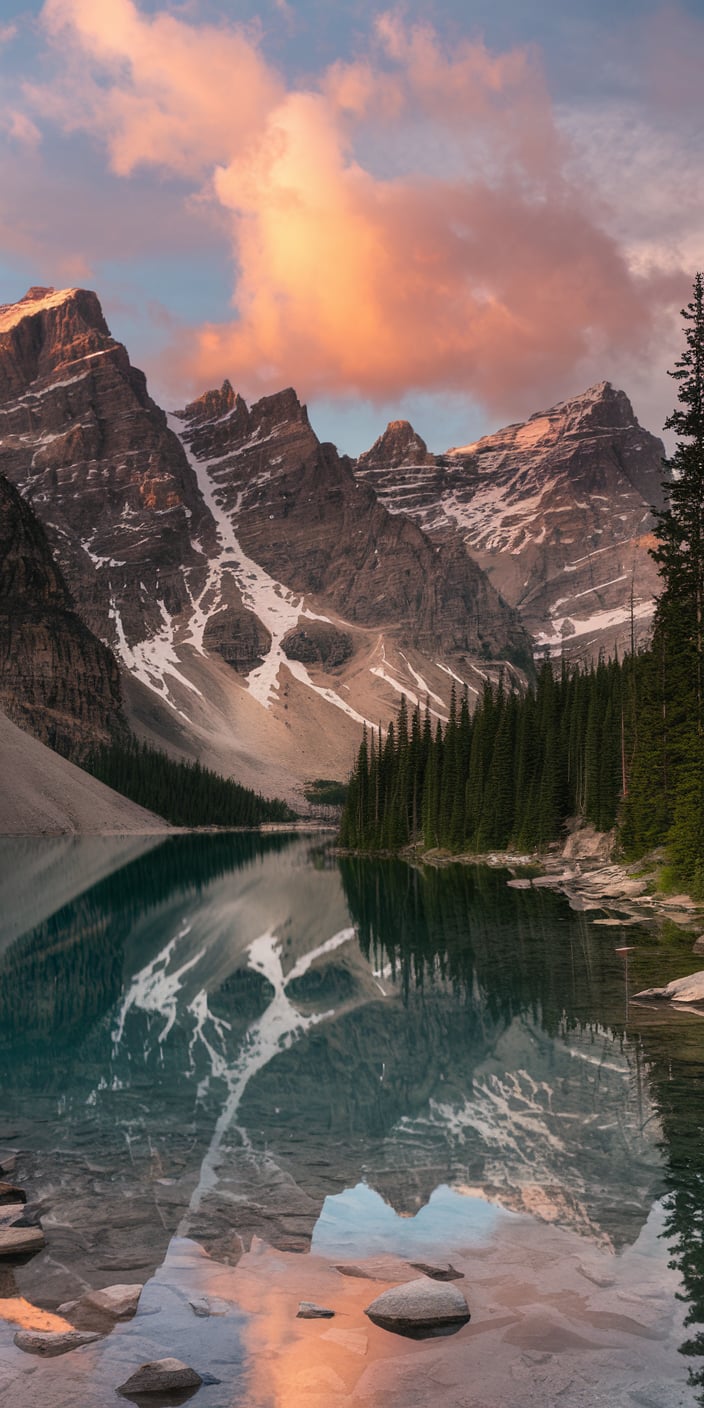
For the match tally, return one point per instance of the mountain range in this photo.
(235, 590)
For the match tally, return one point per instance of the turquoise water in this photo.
(218, 1038)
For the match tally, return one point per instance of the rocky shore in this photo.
(585, 872)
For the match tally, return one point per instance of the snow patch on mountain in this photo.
(565, 629)
(277, 608)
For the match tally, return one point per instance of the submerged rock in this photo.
(384, 1267)
(50, 1343)
(438, 1273)
(18, 1215)
(18, 1241)
(10, 1194)
(160, 1376)
(308, 1310)
(419, 1308)
(689, 989)
(98, 1309)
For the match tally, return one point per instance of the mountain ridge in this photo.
(582, 473)
(266, 595)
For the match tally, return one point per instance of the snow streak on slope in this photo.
(276, 607)
(570, 627)
(154, 659)
(382, 672)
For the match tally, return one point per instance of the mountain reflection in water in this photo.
(239, 1035)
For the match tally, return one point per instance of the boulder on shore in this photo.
(161, 1376)
(689, 989)
(420, 1308)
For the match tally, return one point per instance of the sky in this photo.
(454, 213)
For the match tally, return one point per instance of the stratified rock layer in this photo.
(56, 679)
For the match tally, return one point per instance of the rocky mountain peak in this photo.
(50, 331)
(399, 445)
(220, 423)
(84, 443)
(556, 509)
(272, 413)
(214, 404)
(602, 405)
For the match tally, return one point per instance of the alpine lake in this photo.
(232, 1063)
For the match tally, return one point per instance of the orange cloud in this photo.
(406, 223)
(169, 94)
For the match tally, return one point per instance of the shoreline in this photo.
(583, 871)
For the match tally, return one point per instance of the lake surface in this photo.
(230, 1063)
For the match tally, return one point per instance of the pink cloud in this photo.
(455, 252)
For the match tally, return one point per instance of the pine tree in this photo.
(680, 526)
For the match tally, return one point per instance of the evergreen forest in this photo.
(186, 794)
(617, 744)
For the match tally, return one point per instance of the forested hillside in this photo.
(186, 794)
(620, 744)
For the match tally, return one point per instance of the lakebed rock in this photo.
(161, 1376)
(438, 1273)
(48, 1344)
(18, 1215)
(419, 1308)
(101, 1309)
(10, 1194)
(18, 1241)
(308, 1310)
(689, 989)
(377, 1268)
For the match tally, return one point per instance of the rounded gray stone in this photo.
(160, 1376)
(419, 1307)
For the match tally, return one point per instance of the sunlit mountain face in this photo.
(221, 1039)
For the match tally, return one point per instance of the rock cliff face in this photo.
(556, 510)
(233, 562)
(87, 447)
(300, 514)
(56, 679)
(270, 594)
